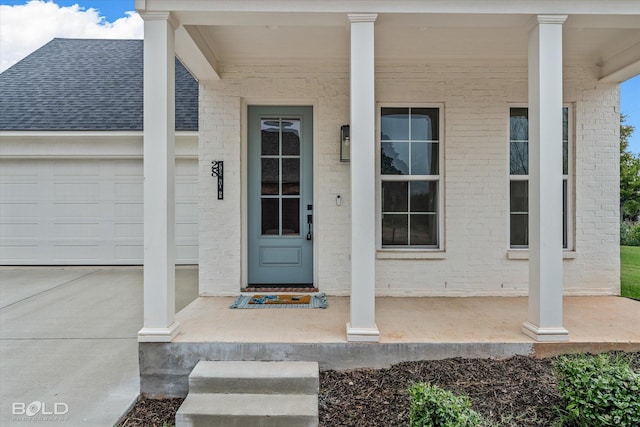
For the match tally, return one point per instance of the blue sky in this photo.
(114, 10)
(110, 9)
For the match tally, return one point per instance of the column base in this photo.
(159, 334)
(545, 334)
(362, 334)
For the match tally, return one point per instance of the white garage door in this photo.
(86, 212)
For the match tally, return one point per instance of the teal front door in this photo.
(280, 192)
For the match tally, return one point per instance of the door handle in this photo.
(309, 226)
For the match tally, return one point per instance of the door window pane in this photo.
(291, 176)
(270, 137)
(270, 176)
(395, 229)
(395, 196)
(424, 158)
(424, 124)
(270, 217)
(291, 216)
(290, 137)
(424, 230)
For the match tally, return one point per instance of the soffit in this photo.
(320, 36)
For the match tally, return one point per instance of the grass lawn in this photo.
(630, 271)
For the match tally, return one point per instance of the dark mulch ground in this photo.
(520, 391)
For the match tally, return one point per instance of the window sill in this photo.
(523, 254)
(410, 254)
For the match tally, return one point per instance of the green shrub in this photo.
(629, 233)
(599, 391)
(432, 406)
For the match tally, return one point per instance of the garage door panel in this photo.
(86, 252)
(129, 210)
(19, 228)
(19, 251)
(186, 251)
(129, 190)
(75, 210)
(127, 252)
(18, 210)
(128, 168)
(19, 191)
(123, 229)
(86, 211)
(76, 229)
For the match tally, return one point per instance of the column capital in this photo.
(551, 19)
(362, 17)
(160, 16)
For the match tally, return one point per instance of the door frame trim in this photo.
(245, 103)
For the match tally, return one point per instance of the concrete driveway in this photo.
(68, 342)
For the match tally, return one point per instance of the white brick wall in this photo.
(476, 99)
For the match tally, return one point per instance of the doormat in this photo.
(280, 301)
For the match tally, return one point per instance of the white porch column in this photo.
(362, 325)
(159, 164)
(545, 180)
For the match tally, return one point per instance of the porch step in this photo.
(255, 377)
(251, 394)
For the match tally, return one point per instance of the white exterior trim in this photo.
(90, 145)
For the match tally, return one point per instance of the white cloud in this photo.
(25, 28)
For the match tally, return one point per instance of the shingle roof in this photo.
(73, 84)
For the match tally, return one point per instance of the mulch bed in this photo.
(520, 391)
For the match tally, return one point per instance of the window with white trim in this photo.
(410, 156)
(519, 178)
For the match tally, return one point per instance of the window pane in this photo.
(565, 225)
(394, 158)
(565, 123)
(519, 158)
(394, 229)
(291, 137)
(424, 196)
(424, 158)
(519, 199)
(394, 124)
(270, 217)
(519, 124)
(519, 229)
(394, 196)
(291, 176)
(270, 135)
(565, 141)
(424, 124)
(270, 176)
(290, 216)
(424, 230)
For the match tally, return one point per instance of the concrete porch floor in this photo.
(410, 329)
(590, 320)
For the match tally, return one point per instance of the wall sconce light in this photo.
(345, 144)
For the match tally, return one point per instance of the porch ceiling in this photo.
(282, 31)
